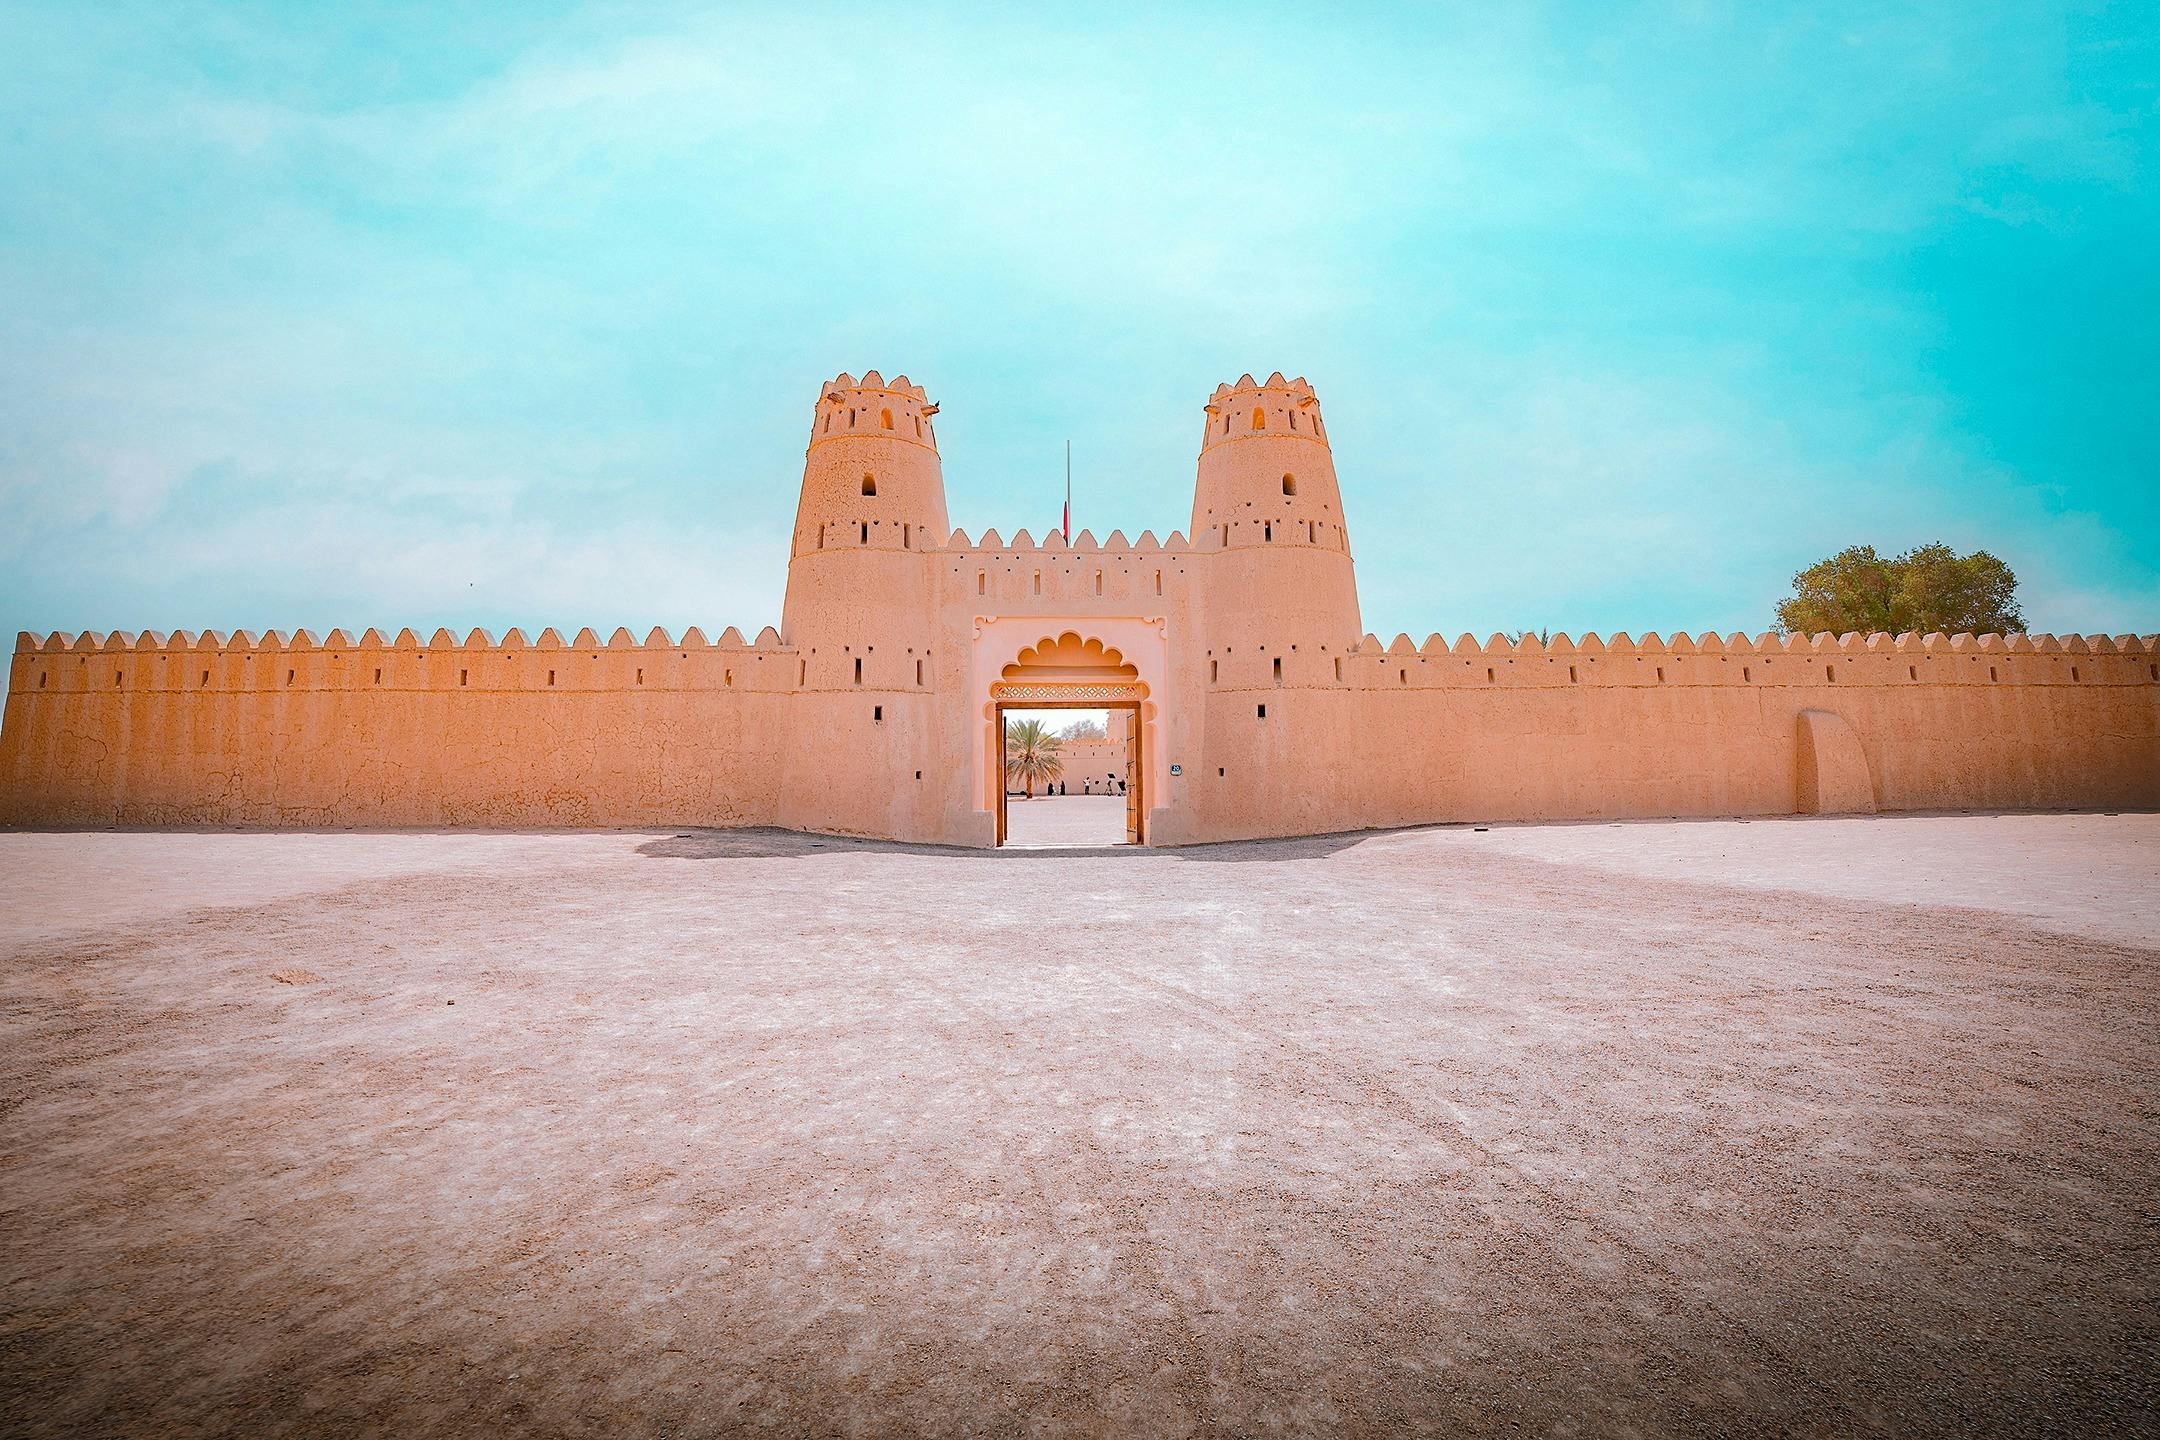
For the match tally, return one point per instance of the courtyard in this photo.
(1813, 1126)
(1064, 821)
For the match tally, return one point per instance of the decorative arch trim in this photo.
(1070, 656)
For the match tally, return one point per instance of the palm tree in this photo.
(1031, 753)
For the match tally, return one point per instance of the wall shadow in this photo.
(767, 843)
(1293, 847)
(770, 843)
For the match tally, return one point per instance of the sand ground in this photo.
(1807, 1126)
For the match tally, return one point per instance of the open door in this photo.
(1086, 809)
(997, 751)
(1130, 719)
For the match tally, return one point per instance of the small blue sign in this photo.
(1177, 769)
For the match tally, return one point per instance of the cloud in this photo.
(1616, 313)
(346, 563)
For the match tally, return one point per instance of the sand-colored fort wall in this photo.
(1690, 727)
(276, 731)
(1100, 763)
(1258, 708)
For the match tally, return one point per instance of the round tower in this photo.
(871, 487)
(1267, 501)
(861, 614)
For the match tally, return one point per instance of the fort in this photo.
(1233, 655)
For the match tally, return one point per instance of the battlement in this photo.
(1083, 543)
(873, 383)
(1769, 642)
(88, 642)
(243, 661)
(1768, 661)
(873, 409)
(299, 641)
(227, 661)
(1273, 407)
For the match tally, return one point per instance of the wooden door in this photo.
(998, 741)
(1131, 721)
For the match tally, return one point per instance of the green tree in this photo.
(1031, 753)
(1927, 589)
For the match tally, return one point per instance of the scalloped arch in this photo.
(1070, 655)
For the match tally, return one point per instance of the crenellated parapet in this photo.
(1767, 659)
(873, 408)
(1768, 642)
(1082, 543)
(656, 638)
(243, 659)
(478, 662)
(1116, 575)
(1273, 407)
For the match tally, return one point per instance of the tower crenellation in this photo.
(872, 407)
(1259, 407)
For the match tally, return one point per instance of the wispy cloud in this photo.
(1620, 316)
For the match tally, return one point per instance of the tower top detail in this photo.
(871, 380)
(873, 408)
(1297, 387)
(1273, 407)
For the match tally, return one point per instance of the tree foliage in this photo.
(1088, 729)
(1927, 589)
(1031, 754)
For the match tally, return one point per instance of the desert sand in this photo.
(1816, 1126)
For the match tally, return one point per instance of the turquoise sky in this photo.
(347, 315)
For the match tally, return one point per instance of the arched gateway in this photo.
(1075, 668)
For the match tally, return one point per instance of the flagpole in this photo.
(1068, 492)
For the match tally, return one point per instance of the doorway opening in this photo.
(1067, 678)
(1071, 775)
